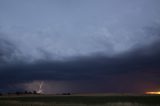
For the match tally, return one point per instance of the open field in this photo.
(46, 100)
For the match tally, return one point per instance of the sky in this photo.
(80, 46)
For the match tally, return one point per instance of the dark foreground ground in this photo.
(70, 100)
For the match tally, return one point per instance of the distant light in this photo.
(153, 93)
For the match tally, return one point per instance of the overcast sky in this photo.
(103, 45)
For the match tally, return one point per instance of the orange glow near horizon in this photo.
(153, 93)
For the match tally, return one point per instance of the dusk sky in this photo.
(80, 46)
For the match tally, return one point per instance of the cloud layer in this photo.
(140, 65)
(54, 29)
(104, 43)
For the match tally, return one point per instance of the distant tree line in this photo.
(25, 92)
(63, 94)
(28, 93)
(19, 93)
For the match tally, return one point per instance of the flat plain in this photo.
(80, 100)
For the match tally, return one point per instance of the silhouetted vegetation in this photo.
(25, 92)
(66, 93)
(20, 93)
(34, 92)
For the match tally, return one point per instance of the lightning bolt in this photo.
(40, 88)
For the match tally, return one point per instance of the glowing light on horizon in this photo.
(153, 93)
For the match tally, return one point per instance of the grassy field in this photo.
(46, 100)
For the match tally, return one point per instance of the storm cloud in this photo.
(139, 63)
(106, 43)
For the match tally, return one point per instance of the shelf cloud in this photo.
(78, 41)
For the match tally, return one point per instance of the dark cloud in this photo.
(138, 67)
(142, 60)
(88, 43)
(6, 50)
